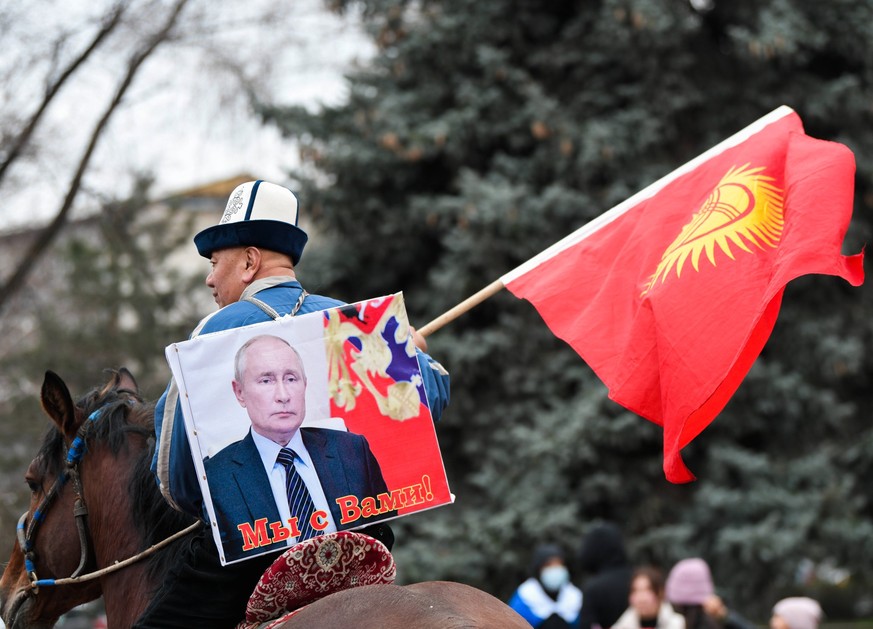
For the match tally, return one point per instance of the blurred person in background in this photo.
(547, 599)
(798, 612)
(691, 592)
(648, 607)
(605, 591)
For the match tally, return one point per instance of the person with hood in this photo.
(547, 599)
(691, 592)
(796, 612)
(606, 589)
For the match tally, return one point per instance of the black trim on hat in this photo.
(264, 233)
(252, 196)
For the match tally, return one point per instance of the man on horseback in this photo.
(253, 252)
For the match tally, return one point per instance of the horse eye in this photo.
(32, 482)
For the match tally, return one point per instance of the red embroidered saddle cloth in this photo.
(313, 569)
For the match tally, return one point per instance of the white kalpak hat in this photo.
(258, 214)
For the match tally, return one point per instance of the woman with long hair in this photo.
(648, 608)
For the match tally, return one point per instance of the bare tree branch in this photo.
(20, 141)
(46, 237)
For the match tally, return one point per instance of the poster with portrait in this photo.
(307, 425)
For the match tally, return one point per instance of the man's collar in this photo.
(269, 450)
(266, 282)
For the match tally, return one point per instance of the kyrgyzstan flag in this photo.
(670, 296)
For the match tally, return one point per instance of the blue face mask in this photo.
(554, 577)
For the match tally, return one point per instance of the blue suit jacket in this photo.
(241, 490)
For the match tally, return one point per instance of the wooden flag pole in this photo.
(468, 304)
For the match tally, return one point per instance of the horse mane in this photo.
(156, 519)
(111, 427)
(122, 413)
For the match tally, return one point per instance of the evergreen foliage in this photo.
(484, 132)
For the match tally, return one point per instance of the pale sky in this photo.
(177, 122)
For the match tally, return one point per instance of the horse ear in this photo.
(125, 380)
(58, 403)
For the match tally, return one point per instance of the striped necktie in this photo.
(299, 500)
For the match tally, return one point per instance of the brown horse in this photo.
(96, 458)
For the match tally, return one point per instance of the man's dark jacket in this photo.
(241, 490)
(606, 590)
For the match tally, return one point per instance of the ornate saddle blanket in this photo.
(313, 569)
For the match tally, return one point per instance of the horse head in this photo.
(80, 515)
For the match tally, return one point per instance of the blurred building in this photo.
(176, 217)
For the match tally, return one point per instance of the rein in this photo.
(26, 533)
(118, 565)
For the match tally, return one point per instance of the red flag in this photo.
(670, 296)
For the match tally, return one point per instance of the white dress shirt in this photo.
(269, 451)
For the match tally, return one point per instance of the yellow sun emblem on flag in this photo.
(745, 207)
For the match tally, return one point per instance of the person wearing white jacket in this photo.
(648, 608)
(548, 600)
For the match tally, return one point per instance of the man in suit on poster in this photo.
(281, 471)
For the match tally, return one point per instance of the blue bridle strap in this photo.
(78, 446)
(25, 533)
(40, 582)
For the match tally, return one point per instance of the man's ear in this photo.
(238, 392)
(252, 259)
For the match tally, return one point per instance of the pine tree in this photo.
(485, 131)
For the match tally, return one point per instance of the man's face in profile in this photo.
(272, 389)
